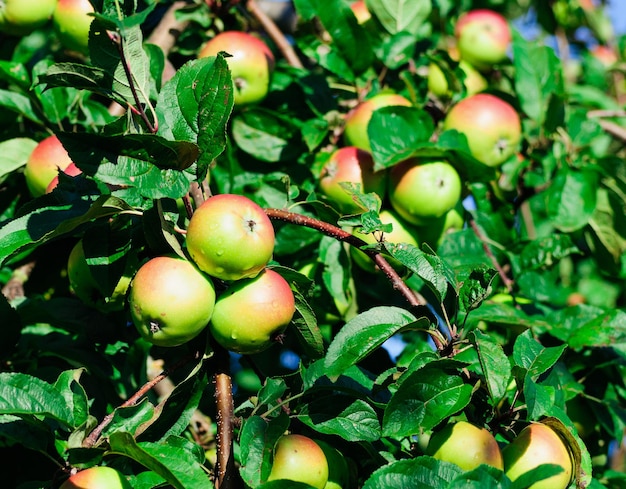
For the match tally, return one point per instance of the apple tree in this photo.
(336, 244)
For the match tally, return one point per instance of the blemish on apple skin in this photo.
(155, 327)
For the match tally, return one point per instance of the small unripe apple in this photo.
(465, 445)
(492, 127)
(47, 159)
(535, 445)
(251, 63)
(351, 165)
(299, 458)
(421, 191)
(483, 37)
(21, 17)
(97, 478)
(230, 237)
(71, 170)
(251, 313)
(170, 300)
(474, 81)
(357, 120)
(72, 21)
(360, 11)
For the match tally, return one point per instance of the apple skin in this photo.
(21, 17)
(230, 237)
(299, 458)
(435, 232)
(353, 165)
(492, 127)
(465, 445)
(251, 313)
(483, 37)
(97, 478)
(338, 469)
(170, 300)
(44, 163)
(423, 191)
(357, 119)
(360, 11)
(251, 64)
(474, 81)
(535, 445)
(71, 170)
(402, 232)
(72, 22)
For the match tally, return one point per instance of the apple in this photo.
(251, 313)
(492, 127)
(538, 444)
(483, 38)
(72, 21)
(170, 300)
(435, 231)
(421, 191)
(44, 163)
(71, 170)
(299, 458)
(358, 118)
(97, 478)
(230, 237)
(251, 63)
(21, 17)
(351, 165)
(605, 55)
(402, 232)
(360, 11)
(465, 445)
(338, 470)
(474, 81)
(84, 286)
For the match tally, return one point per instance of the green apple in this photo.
(402, 232)
(230, 237)
(492, 127)
(71, 170)
(474, 81)
(465, 445)
(251, 313)
(21, 17)
(360, 11)
(483, 38)
(436, 230)
(338, 470)
(72, 21)
(299, 458)
(44, 163)
(538, 444)
(251, 63)
(357, 120)
(351, 165)
(421, 191)
(97, 478)
(170, 300)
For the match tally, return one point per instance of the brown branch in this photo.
(224, 469)
(14, 288)
(93, 437)
(335, 232)
(613, 129)
(275, 33)
(508, 283)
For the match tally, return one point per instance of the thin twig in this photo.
(508, 283)
(14, 288)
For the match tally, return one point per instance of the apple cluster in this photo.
(470, 446)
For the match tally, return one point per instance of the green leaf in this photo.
(400, 15)
(571, 198)
(27, 432)
(14, 153)
(494, 364)
(547, 251)
(18, 103)
(130, 419)
(271, 391)
(363, 334)
(476, 287)
(532, 356)
(75, 396)
(423, 472)
(425, 398)
(306, 325)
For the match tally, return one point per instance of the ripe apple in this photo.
(357, 120)
(421, 191)
(360, 11)
(170, 300)
(71, 170)
(538, 444)
(483, 38)
(474, 81)
(402, 232)
(21, 17)
(251, 63)
(72, 21)
(230, 237)
(352, 165)
(465, 445)
(44, 163)
(338, 470)
(251, 313)
(492, 127)
(299, 458)
(97, 478)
